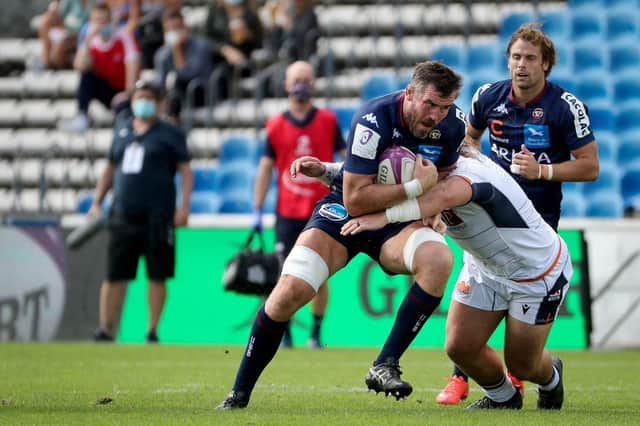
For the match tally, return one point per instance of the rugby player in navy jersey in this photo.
(535, 128)
(424, 119)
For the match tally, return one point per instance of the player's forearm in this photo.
(373, 198)
(103, 185)
(261, 187)
(186, 186)
(576, 170)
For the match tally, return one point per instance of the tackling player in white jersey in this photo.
(516, 267)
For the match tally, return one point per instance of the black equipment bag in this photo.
(252, 271)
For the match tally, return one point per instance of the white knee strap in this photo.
(419, 236)
(306, 264)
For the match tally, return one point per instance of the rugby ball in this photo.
(396, 165)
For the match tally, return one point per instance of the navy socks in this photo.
(414, 311)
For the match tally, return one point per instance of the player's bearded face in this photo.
(424, 110)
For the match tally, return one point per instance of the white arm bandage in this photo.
(331, 170)
(407, 210)
(413, 188)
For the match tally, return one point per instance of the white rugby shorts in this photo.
(532, 302)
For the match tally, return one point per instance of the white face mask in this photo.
(171, 37)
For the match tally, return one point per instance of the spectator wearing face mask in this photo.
(108, 60)
(185, 57)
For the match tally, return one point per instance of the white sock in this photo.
(502, 391)
(551, 385)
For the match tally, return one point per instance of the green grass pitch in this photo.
(60, 383)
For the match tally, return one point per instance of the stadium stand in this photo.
(366, 48)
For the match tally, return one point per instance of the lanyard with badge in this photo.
(133, 158)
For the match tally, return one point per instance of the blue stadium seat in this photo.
(454, 55)
(628, 119)
(235, 179)
(573, 205)
(484, 58)
(607, 147)
(594, 88)
(605, 204)
(608, 181)
(586, 4)
(237, 148)
(344, 115)
(257, 153)
(566, 81)
(624, 57)
(236, 204)
(602, 117)
(629, 149)
(622, 24)
(626, 90)
(572, 187)
(512, 22)
(204, 178)
(557, 24)
(590, 57)
(205, 202)
(378, 85)
(564, 59)
(270, 202)
(84, 203)
(630, 183)
(621, 4)
(588, 26)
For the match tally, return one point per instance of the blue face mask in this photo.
(105, 32)
(144, 108)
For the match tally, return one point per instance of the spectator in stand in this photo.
(186, 58)
(144, 157)
(234, 31)
(109, 63)
(149, 31)
(301, 130)
(58, 31)
(292, 28)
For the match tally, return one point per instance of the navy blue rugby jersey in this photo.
(378, 124)
(551, 126)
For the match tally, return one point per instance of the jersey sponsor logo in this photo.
(463, 287)
(502, 109)
(507, 154)
(525, 308)
(365, 142)
(435, 134)
(432, 152)
(580, 117)
(333, 211)
(396, 134)
(498, 138)
(536, 136)
(496, 127)
(537, 114)
(460, 115)
(371, 118)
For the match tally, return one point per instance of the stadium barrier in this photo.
(50, 292)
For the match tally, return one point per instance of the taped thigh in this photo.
(306, 264)
(419, 236)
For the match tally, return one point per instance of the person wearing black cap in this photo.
(145, 154)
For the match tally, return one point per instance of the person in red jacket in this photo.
(301, 130)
